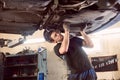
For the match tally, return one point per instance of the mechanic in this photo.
(70, 50)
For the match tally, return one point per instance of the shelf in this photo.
(18, 55)
(21, 65)
(25, 77)
(24, 66)
(21, 77)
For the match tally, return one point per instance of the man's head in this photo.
(53, 36)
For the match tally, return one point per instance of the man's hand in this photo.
(87, 42)
(83, 27)
(66, 26)
(82, 30)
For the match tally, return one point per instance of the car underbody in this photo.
(24, 17)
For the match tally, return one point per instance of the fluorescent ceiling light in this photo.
(37, 40)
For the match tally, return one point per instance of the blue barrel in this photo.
(41, 76)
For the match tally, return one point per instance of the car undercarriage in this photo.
(24, 17)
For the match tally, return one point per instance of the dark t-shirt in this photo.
(76, 58)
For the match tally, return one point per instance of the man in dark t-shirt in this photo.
(70, 50)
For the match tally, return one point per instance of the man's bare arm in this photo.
(87, 42)
(65, 43)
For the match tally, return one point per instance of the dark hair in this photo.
(47, 34)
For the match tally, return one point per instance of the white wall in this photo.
(109, 46)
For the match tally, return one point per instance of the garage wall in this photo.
(56, 67)
(109, 46)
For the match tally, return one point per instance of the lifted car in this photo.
(24, 17)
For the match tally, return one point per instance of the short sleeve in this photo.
(56, 50)
(77, 40)
(80, 41)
